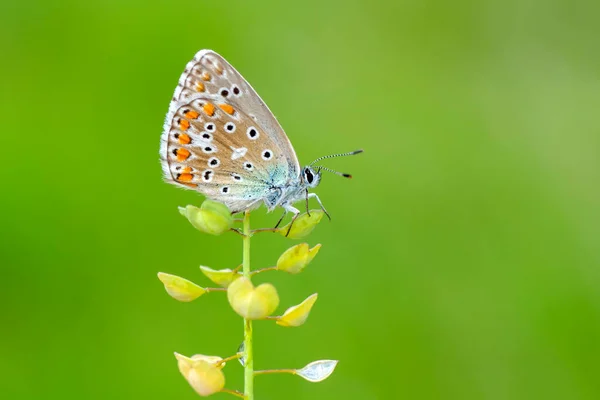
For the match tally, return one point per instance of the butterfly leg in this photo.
(307, 210)
(314, 195)
(289, 208)
(281, 219)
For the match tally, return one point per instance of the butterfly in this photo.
(220, 139)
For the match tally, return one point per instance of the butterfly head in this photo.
(311, 177)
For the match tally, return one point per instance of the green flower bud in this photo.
(179, 288)
(212, 217)
(222, 277)
(252, 302)
(296, 258)
(303, 225)
(297, 315)
(202, 373)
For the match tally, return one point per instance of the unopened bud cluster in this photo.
(204, 373)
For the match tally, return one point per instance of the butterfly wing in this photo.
(221, 139)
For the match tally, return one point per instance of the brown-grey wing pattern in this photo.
(216, 148)
(210, 74)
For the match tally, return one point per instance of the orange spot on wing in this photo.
(209, 109)
(206, 76)
(187, 170)
(227, 108)
(184, 124)
(184, 139)
(185, 177)
(219, 68)
(191, 114)
(200, 87)
(182, 154)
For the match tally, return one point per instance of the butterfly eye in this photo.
(309, 176)
(248, 166)
(210, 127)
(252, 133)
(230, 127)
(267, 154)
(214, 162)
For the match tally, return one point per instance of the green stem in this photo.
(249, 356)
(276, 371)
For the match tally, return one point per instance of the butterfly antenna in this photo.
(350, 153)
(334, 172)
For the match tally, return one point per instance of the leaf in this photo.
(222, 277)
(303, 225)
(318, 371)
(179, 288)
(297, 315)
(296, 258)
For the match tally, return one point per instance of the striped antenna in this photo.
(334, 172)
(350, 153)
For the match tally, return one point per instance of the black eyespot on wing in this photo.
(252, 133)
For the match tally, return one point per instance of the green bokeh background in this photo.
(462, 260)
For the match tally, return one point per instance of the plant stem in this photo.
(275, 371)
(258, 271)
(233, 357)
(249, 356)
(233, 392)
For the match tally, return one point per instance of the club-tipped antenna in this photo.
(334, 172)
(350, 153)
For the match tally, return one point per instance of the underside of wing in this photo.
(212, 146)
(210, 75)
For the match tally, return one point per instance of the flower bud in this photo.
(297, 315)
(222, 277)
(294, 259)
(252, 302)
(212, 217)
(303, 225)
(179, 288)
(202, 373)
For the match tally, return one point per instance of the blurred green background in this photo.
(462, 260)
